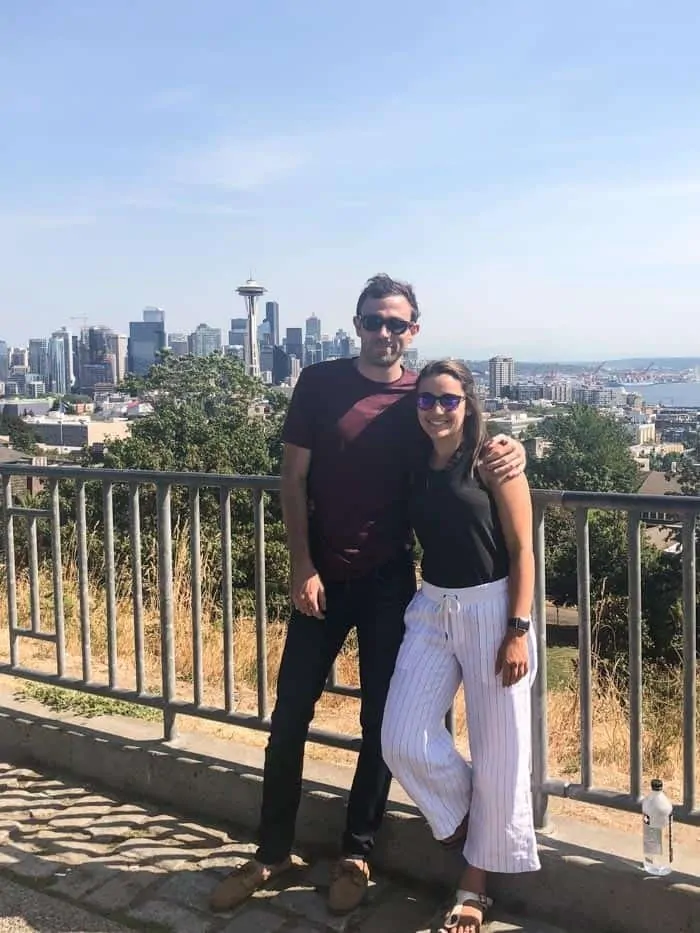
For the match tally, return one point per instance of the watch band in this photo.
(519, 624)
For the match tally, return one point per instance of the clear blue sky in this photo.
(532, 167)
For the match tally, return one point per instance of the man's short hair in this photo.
(382, 286)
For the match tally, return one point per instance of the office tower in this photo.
(501, 375)
(65, 336)
(57, 378)
(294, 344)
(117, 348)
(146, 340)
(313, 328)
(205, 340)
(272, 316)
(179, 344)
(267, 363)
(4, 361)
(38, 356)
(250, 292)
(238, 337)
(19, 357)
(153, 315)
(98, 341)
(281, 367)
(264, 335)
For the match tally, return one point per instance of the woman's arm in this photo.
(515, 513)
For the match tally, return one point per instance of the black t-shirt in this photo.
(456, 521)
(365, 442)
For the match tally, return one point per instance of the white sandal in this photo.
(466, 899)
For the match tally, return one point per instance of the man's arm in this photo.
(307, 590)
(295, 470)
(503, 457)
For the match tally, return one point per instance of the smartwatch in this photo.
(519, 625)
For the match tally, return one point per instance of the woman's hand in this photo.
(513, 658)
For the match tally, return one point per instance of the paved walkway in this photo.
(76, 861)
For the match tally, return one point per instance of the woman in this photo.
(469, 622)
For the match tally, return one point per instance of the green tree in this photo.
(588, 451)
(208, 416)
(22, 435)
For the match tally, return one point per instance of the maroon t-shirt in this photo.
(365, 442)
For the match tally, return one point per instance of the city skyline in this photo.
(530, 170)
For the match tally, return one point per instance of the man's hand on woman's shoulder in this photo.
(503, 458)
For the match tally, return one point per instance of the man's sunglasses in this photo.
(374, 323)
(448, 402)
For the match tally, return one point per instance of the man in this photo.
(351, 440)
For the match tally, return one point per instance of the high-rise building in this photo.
(38, 356)
(501, 375)
(146, 340)
(65, 335)
(264, 335)
(205, 340)
(238, 337)
(179, 344)
(19, 357)
(152, 315)
(281, 369)
(56, 369)
(4, 361)
(272, 316)
(313, 328)
(294, 343)
(117, 347)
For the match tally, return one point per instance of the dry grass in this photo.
(662, 738)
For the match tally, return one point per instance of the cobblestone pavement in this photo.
(72, 859)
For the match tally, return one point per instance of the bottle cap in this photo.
(656, 784)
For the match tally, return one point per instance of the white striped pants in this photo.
(453, 636)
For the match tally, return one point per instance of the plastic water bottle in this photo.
(657, 812)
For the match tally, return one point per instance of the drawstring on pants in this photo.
(445, 607)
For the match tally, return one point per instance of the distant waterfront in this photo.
(671, 394)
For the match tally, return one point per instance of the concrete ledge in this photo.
(579, 887)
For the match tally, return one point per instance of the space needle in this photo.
(250, 292)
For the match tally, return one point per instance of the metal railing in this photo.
(166, 700)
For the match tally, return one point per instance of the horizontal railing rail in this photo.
(78, 479)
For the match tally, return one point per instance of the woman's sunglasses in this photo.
(448, 402)
(374, 323)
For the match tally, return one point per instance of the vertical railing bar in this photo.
(57, 568)
(634, 578)
(227, 597)
(83, 581)
(34, 594)
(540, 729)
(110, 581)
(689, 664)
(10, 569)
(137, 584)
(196, 595)
(332, 679)
(260, 601)
(165, 594)
(583, 574)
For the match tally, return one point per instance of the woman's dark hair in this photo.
(383, 286)
(474, 432)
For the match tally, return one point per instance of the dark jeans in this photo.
(375, 606)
